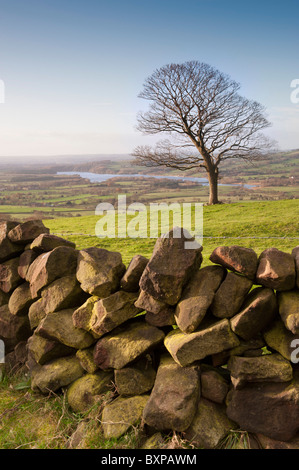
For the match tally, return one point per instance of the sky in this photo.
(71, 70)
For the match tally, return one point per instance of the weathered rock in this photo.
(230, 295)
(25, 260)
(276, 270)
(13, 328)
(197, 297)
(112, 311)
(99, 271)
(123, 413)
(267, 368)
(26, 232)
(188, 348)
(46, 242)
(56, 374)
(62, 294)
(288, 306)
(172, 403)
(84, 392)
(60, 262)
(148, 303)
(20, 300)
(7, 248)
(258, 310)
(36, 313)
(4, 298)
(170, 267)
(268, 443)
(9, 277)
(209, 426)
(58, 326)
(126, 344)
(236, 258)
(282, 340)
(155, 441)
(136, 379)
(295, 254)
(86, 359)
(165, 318)
(44, 350)
(82, 315)
(130, 280)
(214, 387)
(243, 349)
(264, 409)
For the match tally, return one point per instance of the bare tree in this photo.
(207, 119)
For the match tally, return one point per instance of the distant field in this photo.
(256, 225)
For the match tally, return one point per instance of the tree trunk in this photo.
(213, 184)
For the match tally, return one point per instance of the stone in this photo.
(84, 392)
(288, 306)
(197, 297)
(4, 298)
(148, 303)
(188, 348)
(45, 350)
(82, 315)
(20, 300)
(9, 277)
(12, 327)
(130, 280)
(258, 310)
(26, 232)
(7, 248)
(276, 270)
(112, 311)
(264, 409)
(120, 415)
(214, 387)
(165, 318)
(282, 340)
(36, 313)
(170, 267)
(267, 368)
(230, 295)
(155, 441)
(25, 260)
(236, 258)
(173, 400)
(55, 374)
(268, 443)
(209, 426)
(136, 379)
(99, 271)
(58, 326)
(295, 254)
(47, 242)
(61, 294)
(243, 349)
(46, 268)
(86, 359)
(126, 344)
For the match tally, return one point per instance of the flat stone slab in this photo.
(188, 348)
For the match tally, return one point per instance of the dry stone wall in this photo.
(196, 350)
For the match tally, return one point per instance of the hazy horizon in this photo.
(72, 70)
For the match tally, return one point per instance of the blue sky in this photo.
(73, 69)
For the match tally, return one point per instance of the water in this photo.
(100, 178)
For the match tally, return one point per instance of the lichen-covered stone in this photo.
(188, 348)
(230, 295)
(9, 276)
(55, 374)
(123, 413)
(295, 254)
(7, 248)
(99, 271)
(84, 392)
(83, 314)
(130, 280)
(148, 303)
(36, 313)
(47, 242)
(288, 305)
(86, 359)
(25, 260)
(20, 300)
(44, 350)
(173, 400)
(164, 318)
(236, 258)
(197, 297)
(58, 326)
(282, 340)
(27, 231)
(136, 379)
(12, 327)
(126, 344)
(61, 294)
(214, 386)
